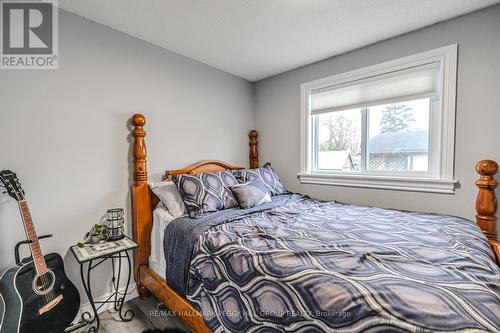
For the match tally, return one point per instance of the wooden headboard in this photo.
(144, 201)
(204, 166)
(486, 203)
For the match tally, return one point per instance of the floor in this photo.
(147, 317)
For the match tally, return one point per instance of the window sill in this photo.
(411, 184)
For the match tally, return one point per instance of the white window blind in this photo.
(412, 83)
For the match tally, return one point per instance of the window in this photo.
(385, 126)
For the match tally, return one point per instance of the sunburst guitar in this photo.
(37, 296)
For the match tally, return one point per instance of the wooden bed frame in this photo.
(144, 202)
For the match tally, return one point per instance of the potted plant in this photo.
(96, 234)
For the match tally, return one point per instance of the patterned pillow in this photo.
(169, 195)
(266, 174)
(251, 194)
(206, 192)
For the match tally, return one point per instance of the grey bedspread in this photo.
(181, 235)
(302, 265)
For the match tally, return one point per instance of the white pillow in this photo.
(169, 195)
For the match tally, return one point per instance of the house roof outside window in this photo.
(412, 141)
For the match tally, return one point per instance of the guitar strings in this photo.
(50, 294)
(40, 277)
(48, 283)
(44, 280)
(44, 284)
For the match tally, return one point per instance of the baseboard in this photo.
(85, 307)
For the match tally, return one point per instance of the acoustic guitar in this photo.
(37, 296)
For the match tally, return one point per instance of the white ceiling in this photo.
(255, 39)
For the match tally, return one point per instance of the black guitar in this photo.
(37, 296)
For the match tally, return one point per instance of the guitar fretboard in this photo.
(38, 259)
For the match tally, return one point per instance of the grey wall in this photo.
(477, 123)
(65, 131)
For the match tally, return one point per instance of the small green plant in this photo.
(97, 233)
(98, 230)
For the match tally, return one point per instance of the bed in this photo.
(296, 264)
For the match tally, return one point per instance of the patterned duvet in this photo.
(311, 266)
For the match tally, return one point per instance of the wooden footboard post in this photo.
(486, 203)
(254, 151)
(142, 219)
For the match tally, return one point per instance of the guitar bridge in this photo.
(50, 305)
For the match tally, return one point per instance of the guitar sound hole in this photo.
(44, 284)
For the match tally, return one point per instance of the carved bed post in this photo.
(141, 202)
(486, 202)
(254, 151)
(140, 152)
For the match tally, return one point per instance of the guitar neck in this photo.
(29, 228)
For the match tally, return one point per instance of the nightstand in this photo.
(89, 257)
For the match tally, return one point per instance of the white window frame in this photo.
(440, 178)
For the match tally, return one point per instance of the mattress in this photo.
(161, 219)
